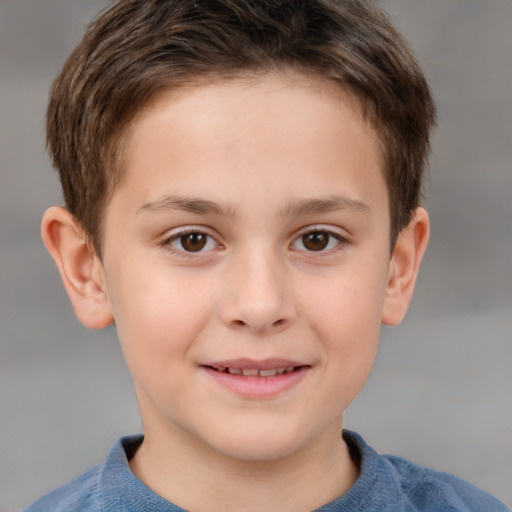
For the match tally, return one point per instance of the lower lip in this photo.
(257, 387)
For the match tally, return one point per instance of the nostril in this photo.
(240, 324)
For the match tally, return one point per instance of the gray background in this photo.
(440, 393)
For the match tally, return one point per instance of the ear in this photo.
(80, 269)
(404, 266)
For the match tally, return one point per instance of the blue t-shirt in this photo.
(385, 484)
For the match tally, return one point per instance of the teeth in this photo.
(268, 373)
(252, 372)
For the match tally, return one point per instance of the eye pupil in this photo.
(315, 241)
(193, 242)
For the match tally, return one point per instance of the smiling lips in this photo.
(255, 371)
(257, 379)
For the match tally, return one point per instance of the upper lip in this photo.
(262, 364)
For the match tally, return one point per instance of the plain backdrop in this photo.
(441, 390)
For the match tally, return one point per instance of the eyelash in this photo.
(340, 241)
(167, 243)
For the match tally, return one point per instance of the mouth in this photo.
(255, 372)
(257, 379)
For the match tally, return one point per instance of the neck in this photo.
(199, 478)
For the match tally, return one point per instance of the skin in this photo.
(251, 166)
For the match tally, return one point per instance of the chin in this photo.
(253, 452)
(262, 445)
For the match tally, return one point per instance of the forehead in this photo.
(250, 131)
(265, 88)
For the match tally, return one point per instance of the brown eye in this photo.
(193, 242)
(320, 241)
(190, 241)
(316, 240)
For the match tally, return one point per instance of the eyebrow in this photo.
(294, 207)
(188, 204)
(325, 205)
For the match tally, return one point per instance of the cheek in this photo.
(158, 315)
(347, 302)
(346, 319)
(350, 326)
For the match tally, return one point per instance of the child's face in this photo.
(251, 232)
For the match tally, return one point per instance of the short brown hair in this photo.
(138, 48)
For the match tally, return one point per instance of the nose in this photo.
(257, 296)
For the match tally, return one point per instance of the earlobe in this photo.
(80, 268)
(404, 267)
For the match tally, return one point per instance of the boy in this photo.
(242, 182)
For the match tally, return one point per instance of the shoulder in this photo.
(431, 490)
(101, 489)
(396, 484)
(82, 494)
